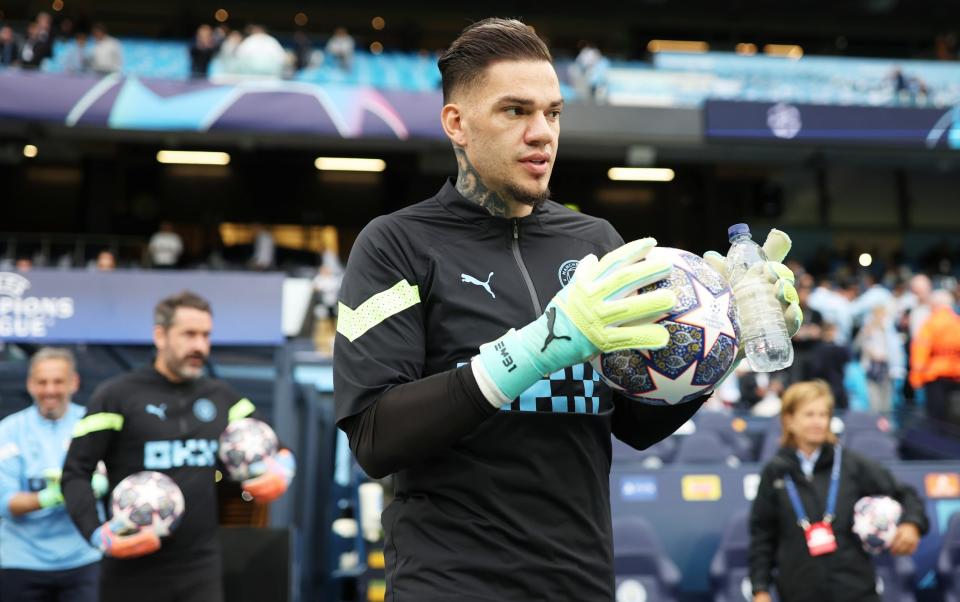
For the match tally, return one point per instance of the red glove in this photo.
(111, 542)
(276, 472)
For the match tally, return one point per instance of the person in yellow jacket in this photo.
(935, 356)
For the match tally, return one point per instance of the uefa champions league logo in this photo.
(784, 120)
(28, 317)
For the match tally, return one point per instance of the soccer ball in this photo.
(875, 522)
(704, 335)
(148, 498)
(246, 442)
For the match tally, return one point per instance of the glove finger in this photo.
(647, 307)
(781, 271)
(777, 245)
(647, 336)
(627, 279)
(631, 252)
(716, 261)
(793, 318)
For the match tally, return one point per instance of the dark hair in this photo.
(487, 42)
(164, 311)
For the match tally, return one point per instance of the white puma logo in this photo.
(472, 280)
(159, 411)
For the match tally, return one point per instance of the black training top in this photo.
(142, 421)
(490, 505)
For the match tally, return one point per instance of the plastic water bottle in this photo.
(763, 332)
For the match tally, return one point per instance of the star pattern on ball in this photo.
(710, 310)
(682, 386)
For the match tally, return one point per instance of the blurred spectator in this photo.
(588, 73)
(834, 307)
(9, 47)
(259, 54)
(42, 556)
(827, 362)
(919, 310)
(302, 50)
(945, 46)
(107, 54)
(874, 346)
(202, 51)
(78, 58)
(106, 261)
(23, 264)
(227, 54)
(165, 247)
(36, 47)
(935, 356)
(792, 507)
(264, 248)
(340, 46)
(908, 89)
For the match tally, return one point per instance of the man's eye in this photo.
(514, 111)
(554, 114)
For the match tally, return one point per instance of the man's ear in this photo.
(451, 118)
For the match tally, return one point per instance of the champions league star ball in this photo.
(703, 338)
(148, 498)
(246, 442)
(875, 522)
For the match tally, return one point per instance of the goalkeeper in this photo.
(42, 555)
(463, 339)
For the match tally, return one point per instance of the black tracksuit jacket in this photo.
(776, 541)
(491, 505)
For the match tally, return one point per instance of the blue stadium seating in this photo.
(948, 561)
(875, 445)
(676, 80)
(721, 423)
(705, 447)
(643, 569)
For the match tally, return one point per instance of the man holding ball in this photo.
(165, 417)
(465, 329)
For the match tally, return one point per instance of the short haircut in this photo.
(797, 395)
(486, 42)
(53, 353)
(165, 310)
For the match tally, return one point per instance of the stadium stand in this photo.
(644, 570)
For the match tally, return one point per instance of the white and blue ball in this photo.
(704, 335)
(875, 521)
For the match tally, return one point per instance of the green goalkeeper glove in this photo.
(596, 312)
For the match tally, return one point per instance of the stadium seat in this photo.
(642, 567)
(859, 422)
(705, 448)
(654, 456)
(730, 567)
(895, 576)
(721, 423)
(876, 446)
(948, 561)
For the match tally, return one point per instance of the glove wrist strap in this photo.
(509, 364)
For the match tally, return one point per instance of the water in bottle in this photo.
(763, 332)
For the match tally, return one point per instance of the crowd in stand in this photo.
(884, 344)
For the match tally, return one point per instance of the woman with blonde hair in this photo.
(802, 518)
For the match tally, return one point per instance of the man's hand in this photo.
(275, 474)
(596, 312)
(110, 540)
(762, 597)
(906, 540)
(780, 277)
(50, 497)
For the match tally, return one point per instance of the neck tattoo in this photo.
(472, 187)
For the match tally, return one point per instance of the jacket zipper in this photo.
(523, 269)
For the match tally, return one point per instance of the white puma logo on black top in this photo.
(159, 411)
(472, 280)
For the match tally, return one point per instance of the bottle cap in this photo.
(736, 230)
